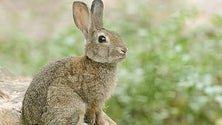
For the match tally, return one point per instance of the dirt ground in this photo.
(12, 90)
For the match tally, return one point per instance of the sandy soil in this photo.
(12, 90)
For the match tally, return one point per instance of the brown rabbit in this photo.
(73, 90)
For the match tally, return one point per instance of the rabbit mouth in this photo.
(119, 58)
(123, 56)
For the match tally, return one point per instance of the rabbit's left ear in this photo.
(97, 13)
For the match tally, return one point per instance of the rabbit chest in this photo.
(93, 81)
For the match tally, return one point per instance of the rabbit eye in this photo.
(102, 39)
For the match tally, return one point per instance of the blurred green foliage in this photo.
(172, 76)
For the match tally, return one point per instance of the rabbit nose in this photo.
(123, 50)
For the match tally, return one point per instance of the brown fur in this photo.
(73, 90)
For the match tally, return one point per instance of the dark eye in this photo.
(102, 39)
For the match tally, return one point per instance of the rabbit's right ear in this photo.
(97, 13)
(82, 17)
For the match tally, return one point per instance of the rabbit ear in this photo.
(97, 13)
(81, 16)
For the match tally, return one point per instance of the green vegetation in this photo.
(172, 76)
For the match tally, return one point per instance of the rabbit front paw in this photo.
(108, 120)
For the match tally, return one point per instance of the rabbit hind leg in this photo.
(65, 107)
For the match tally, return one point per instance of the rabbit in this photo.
(73, 90)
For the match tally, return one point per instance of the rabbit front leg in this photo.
(99, 118)
(103, 119)
(94, 117)
(90, 116)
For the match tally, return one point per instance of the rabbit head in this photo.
(102, 45)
